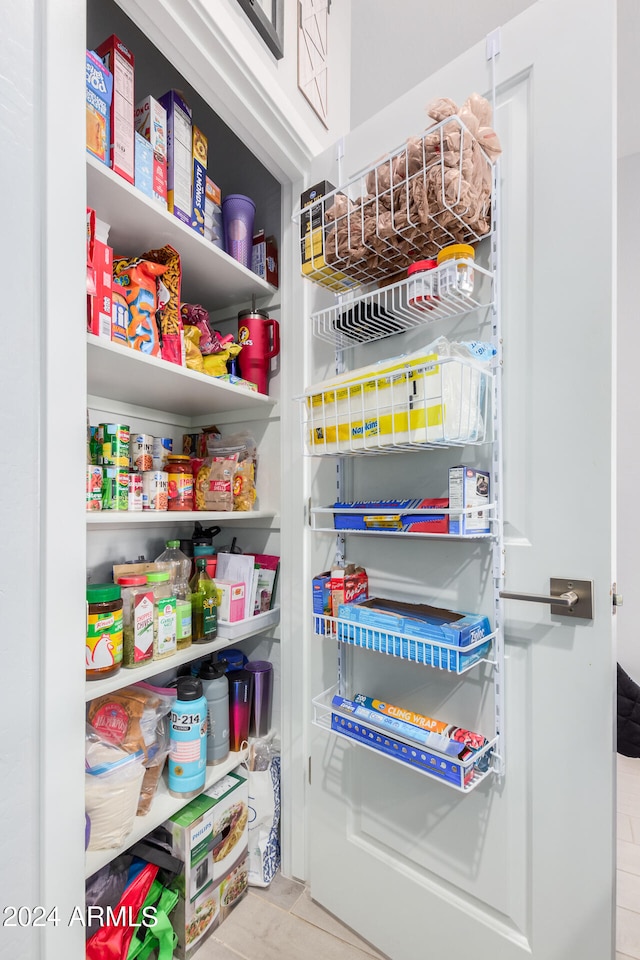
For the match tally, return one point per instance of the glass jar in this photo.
(164, 615)
(459, 276)
(180, 475)
(138, 599)
(103, 650)
(423, 289)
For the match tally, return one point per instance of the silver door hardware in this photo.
(616, 598)
(566, 597)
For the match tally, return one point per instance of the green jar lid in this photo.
(173, 543)
(159, 577)
(102, 592)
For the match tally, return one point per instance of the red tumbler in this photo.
(260, 339)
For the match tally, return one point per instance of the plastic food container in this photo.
(459, 277)
(423, 289)
(112, 787)
(180, 476)
(103, 651)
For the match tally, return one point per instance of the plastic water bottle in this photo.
(215, 688)
(188, 740)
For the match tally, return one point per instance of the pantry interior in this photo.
(303, 669)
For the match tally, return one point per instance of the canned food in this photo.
(115, 488)
(162, 447)
(141, 452)
(94, 487)
(155, 487)
(135, 491)
(113, 440)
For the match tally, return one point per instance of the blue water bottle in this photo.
(188, 740)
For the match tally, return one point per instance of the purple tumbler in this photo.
(238, 213)
(262, 672)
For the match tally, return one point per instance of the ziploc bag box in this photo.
(179, 155)
(99, 82)
(151, 123)
(200, 149)
(403, 520)
(469, 488)
(208, 835)
(418, 620)
(120, 61)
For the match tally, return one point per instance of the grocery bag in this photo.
(264, 823)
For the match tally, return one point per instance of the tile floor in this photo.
(628, 890)
(283, 922)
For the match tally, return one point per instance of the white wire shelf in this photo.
(375, 521)
(429, 653)
(463, 776)
(412, 302)
(441, 402)
(432, 191)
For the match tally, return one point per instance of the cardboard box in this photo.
(151, 122)
(469, 488)
(99, 83)
(418, 620)
(179, 155)
(119, 318)
(100, 305)
(231, 597)
(403, 520)
(120, 61)
(234, 886)
(264, 258)
(144, 166)
(238, 381)
(210, 836)
(312, 241)
(200, 147)
(321, 598)
(213, 228)
(348, 584)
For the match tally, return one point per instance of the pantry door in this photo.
(523, 866)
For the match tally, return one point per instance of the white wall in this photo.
(395, 46)
(628, 449)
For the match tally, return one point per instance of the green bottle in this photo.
(204, 600)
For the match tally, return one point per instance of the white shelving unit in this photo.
(116, 518)
(403, 407)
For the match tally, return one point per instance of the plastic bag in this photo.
(195, 315)
(169, 305)
(214, 483)
(192, 351)
(264, 813)
(138, 279)
(243, 447)
(113, 779)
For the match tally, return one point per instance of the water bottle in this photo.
(215, 688)
(188, 740)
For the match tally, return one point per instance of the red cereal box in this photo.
(348, 583)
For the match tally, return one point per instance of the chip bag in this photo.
(192, 352)
(137, 280)
(169, 307)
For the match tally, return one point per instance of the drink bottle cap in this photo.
(189, 688)
(211, 671)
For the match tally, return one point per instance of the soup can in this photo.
(94, 487)
(155, 490)
(141, 452)
(113, 441)
(135, 491)
(115, 488)
(162, 447)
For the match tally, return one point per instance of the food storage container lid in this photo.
(420, 265)
(178, 456)
(136, 580)
(189, 688)
(158, 577)
(102, 592)
(258, 666)
(456, 251)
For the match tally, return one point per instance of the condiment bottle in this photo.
(164, 615)
(138, 600)
(459, 276)
(180, 476)
(103, 651)
(422, 290)
(188, 740)
(204, 600)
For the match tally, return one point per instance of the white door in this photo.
(523, 865)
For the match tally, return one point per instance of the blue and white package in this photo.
(188, 740)
(398, 728)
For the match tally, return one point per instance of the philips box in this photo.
(403, 520)
(151, 123)
(144, 166)
(179, 155)
(119, 60)
(199, 180)
(469, 490)
(98, 107)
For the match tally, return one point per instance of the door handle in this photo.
(566, 597)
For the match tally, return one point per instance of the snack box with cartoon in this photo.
(417, 620)
(208, 835)
(403, 520)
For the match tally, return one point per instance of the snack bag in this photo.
(192, 352)
(138, 280)
(214, 483)
(196, 315)
(171, 331)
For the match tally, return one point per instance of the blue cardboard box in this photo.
(321, 586)
(421, 621)
(99, 82)
(402, 520)
(144, 166)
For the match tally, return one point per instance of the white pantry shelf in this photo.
(163, 807)
(118, 373)
(209, 275)
(125, 518)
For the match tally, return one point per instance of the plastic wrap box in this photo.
(469, 488)
(418, 620)
(402, 521)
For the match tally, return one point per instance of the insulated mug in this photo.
(238, 213)
(260, 722)
(260, 339)
(240, 696)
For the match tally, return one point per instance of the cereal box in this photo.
(264, 258)
(179, 155)
(213, 229)
(199, 179)
(99, 93)
(120, 61)
(321, 587)
(144, 166)
(151, 123)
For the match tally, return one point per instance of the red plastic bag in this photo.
(111, 942)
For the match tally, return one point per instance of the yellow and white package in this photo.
(438, 395)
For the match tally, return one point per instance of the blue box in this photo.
(442, 768)
(404, 520)
(99, 83)
(418, 620)
(321, 587)
(143, 176)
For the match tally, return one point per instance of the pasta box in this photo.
(417, 620)
(404, 520)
